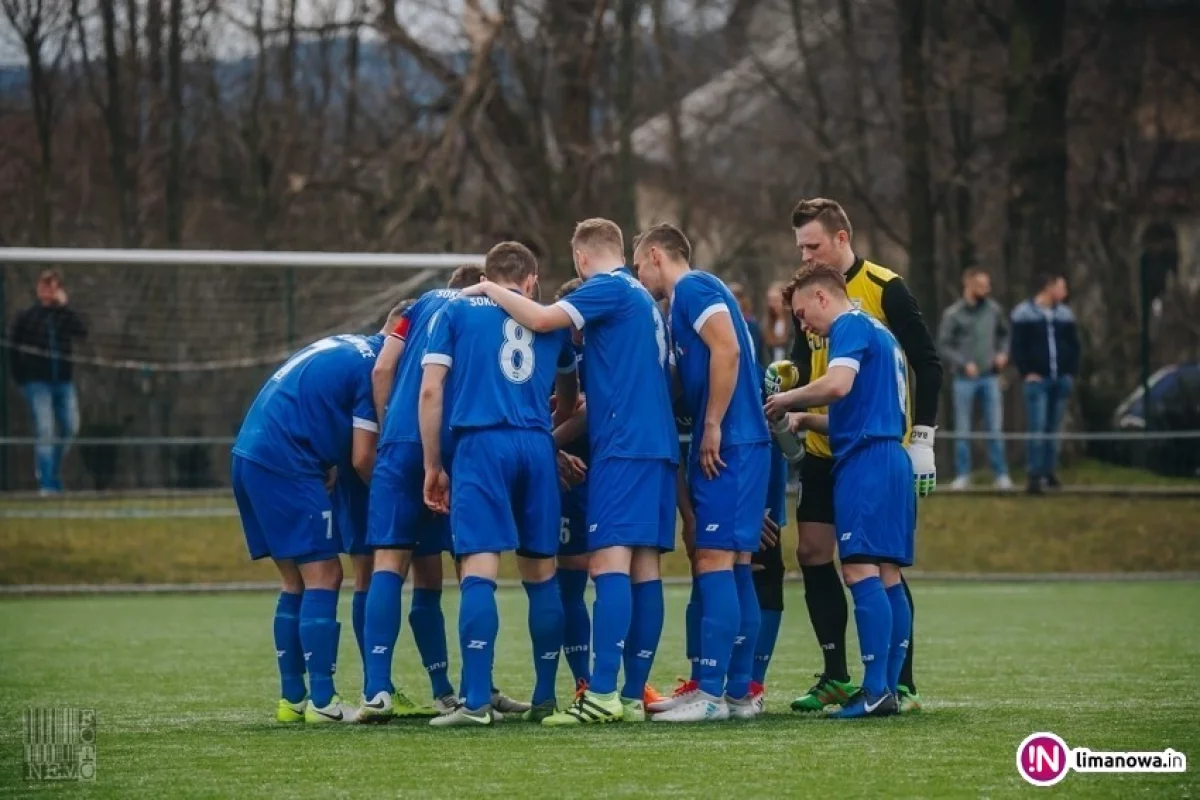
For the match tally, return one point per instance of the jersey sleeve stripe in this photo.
(572, 312)
(440, 359)
(852, 363)
(708, 313)
(566, 370)
(366, 425)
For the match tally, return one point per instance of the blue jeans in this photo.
(51, 403)
(1045, 404)
(987, 389)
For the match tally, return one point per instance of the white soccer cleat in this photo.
(378, 709)
(682, 694)
(446, 704)
(701, 707)
(336, 711)
(747, 707)
(462, 717)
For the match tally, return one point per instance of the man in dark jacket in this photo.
(1045, 350)
(42, 339)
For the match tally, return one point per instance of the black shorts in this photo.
(816, 490)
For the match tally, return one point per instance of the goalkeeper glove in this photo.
(920, 450)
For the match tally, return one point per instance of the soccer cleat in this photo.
(825, 692)
(910, 701)
(742, 708)
(504, 704)
(758, 693)
(650, 696)
(698, 707)
(581, 686)
(378, 709)
(446, 704)
(588, 709)
(336, 711)
(462, 716)
(632, 710)
(682, 694)
(863, 704)
(290, 712)
(402, 706)
(539, 711)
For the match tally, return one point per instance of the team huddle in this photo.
(479, 421)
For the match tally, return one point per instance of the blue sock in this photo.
(768, 633)
(546, 632)
(289, 653)
(478, 624)
(741, 661)
(611, 614)
(718, 628)
(319, 632)
(358, 618)
(691, 624)
(901, 633)
(873, 616)
(381, 629)
(577, 624)
(645, 631)
(429, 630)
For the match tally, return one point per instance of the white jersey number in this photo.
(305, 355)
(516, 354)
(660, 336)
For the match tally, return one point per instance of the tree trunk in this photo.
(627, 13)
(174, 188)
(922, 243)
(124, 179)
(1037, 141)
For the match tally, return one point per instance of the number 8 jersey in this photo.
(503, 372)
(875, 407)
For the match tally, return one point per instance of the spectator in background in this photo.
(973, 340)
(778, 330)
(756, 334)
(1045, 350)
(42, 341)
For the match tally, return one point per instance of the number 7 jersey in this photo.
(503, 372)
(875, 407)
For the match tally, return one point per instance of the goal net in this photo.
(178, 344)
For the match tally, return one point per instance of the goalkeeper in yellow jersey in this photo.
(823, 233)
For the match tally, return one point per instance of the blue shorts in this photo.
(283, 516)
(631, 503)
(875, 506)
(398, 517)
(777, 486)
(504, 493)
(729, 508)
(572, 534)
(350, 497)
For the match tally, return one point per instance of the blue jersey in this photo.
(413, 328)
(505, 371)
(579, 447)
(301, 421)
(875, 407)
(698, 297)
(627, 383)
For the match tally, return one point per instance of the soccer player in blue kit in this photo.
(631, 478)
(312, 417)
(727, 471)
(875, 507)
(503, 493)
(401, 530)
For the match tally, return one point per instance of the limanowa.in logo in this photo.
(1044, 759)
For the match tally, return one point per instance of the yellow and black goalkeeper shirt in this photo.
(882, 294)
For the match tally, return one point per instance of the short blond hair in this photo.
(816, 273)
(667, 238)
(598, 233)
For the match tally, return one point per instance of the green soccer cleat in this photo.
(825, 692)
(403, 707)
(910, 701)
(290, 712)
(336, 711)
(540, 711)
(632, 710)
(588, 709)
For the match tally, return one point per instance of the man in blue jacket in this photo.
(1045, 350)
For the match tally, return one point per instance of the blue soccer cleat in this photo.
(864, 704)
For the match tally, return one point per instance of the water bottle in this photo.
(782, 376)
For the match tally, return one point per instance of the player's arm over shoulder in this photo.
(908, 326)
